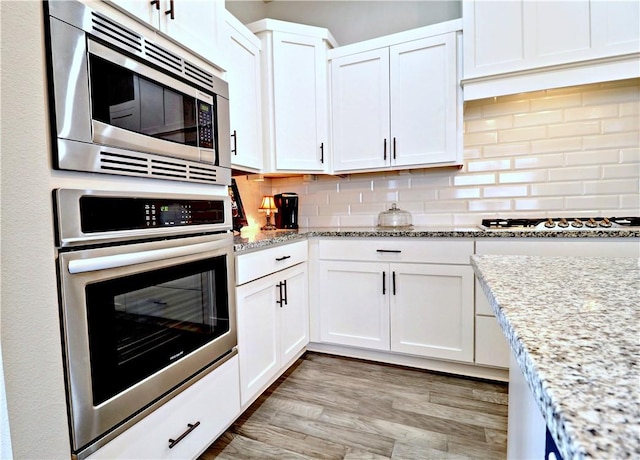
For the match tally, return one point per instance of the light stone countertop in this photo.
(573, 324)
(255, 240)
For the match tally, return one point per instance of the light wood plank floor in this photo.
(328, 407)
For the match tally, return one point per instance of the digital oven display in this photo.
(102, 214)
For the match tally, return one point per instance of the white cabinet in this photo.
(432, 310)
(355, 304)
(243, 74)
(396, 106)
(398, 296)
(192, 23)
(530, 45)
(205, 410)
(294, 95)
(273, 316)
(492, 348)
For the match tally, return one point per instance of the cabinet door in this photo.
(432, 311)
(195, 24)
(354, 309)
(257, 335)
(360, 110)
(294, 313)
(300, 107)
(243, 57)
(423, 94)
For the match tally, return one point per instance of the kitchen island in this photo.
(573, 325)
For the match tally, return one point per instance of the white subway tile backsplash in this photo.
(581, 128)
(539, 204)
(506, 150)
(556, 101)
(522, 134)
(557, 189)
(537, 118)
(610, 187)
(554, 160)
(591, 112)
(569, 174)
(620, 171)
(488, 165)
(523, 176)
(490, 205)
(568, 151)
(489, 124)
(566, 144)
(592, 202)
(474, 179)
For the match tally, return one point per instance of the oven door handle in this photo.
(134, 258)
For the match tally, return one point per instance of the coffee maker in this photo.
(287, 215)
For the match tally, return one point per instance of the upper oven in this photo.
(147, 302)
(122, 104)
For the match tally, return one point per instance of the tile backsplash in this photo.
(548, 153)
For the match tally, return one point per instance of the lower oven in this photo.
(147, 303)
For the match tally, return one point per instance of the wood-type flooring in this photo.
(327, 407)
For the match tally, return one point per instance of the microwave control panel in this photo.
(205, 125)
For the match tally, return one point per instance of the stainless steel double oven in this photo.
(147, 302)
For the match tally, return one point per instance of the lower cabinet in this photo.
(273, 327)
(424, 309)
(201, 412)
(492, 348)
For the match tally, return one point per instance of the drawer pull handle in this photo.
(393, 251)
(190, 428)
(384, 283)
(280, 259)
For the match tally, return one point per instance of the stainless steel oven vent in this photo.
(105, 28)
(196, 73)
(161, 56)
(143, 165)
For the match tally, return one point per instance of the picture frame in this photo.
(237, 209)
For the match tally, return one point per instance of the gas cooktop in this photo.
(563, 223)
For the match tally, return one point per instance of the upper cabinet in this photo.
(194, 24)
(526, 45)
(294, 95)
(243, 74)
(396, 101)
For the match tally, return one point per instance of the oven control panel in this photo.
(108, 214)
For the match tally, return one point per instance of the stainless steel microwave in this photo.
(123, 104)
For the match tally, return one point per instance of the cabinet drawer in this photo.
(491, 346)
(214, 401)
(393, 250)
(261, 263)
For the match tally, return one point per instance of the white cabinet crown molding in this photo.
(293, 28)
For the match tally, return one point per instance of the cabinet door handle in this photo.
(235, 143)
(279, 286)
(384, 283)
(286, 295)
(156, 3)
(322, 152)
(392, 251)
(394, 148)
(190, 428)
(393, 282)
(385, 149)
(280, 259)
(171, 10)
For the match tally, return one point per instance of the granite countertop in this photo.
(260, 239)
(573, 324)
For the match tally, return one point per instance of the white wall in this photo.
(351, 21)
(30, 332)
(549, 153)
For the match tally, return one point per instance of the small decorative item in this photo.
(237, 210)
(268, 206)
